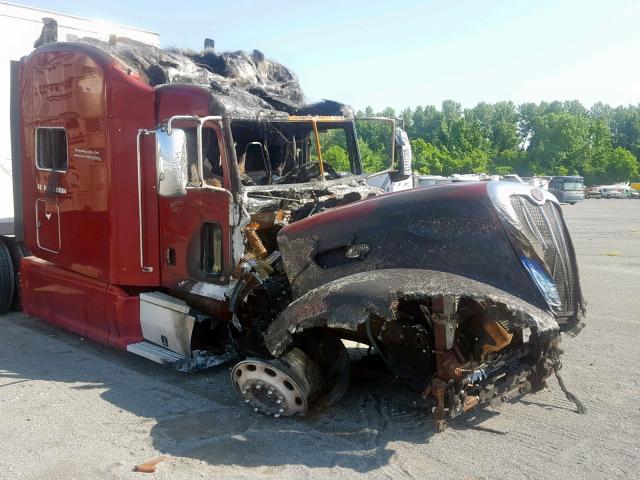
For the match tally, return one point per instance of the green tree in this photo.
(621, 166)
(372, 161)
(427, 158)
(595, 165)
(504, 127)
(527, 113)
(625, 128)
(338, 158)
(553, 138)
(559, 143)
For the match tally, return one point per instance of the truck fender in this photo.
(347, 303)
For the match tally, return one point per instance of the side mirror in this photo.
(403, 154)
(172, 162)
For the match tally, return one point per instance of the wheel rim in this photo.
(271, 387)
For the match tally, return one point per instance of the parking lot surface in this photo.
(72, 409)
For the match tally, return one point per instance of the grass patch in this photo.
(612, 253)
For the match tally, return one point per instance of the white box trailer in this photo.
(20, 27)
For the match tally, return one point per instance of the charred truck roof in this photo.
(185, 196)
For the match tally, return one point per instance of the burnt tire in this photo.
(7, 278)
(330, 355)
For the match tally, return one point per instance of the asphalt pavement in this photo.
(73, 409)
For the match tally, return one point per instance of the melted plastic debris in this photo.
(248, 81)
(201, 360)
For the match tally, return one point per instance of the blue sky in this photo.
(408, 53)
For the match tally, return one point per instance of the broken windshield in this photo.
(334, 147)
(298, 150)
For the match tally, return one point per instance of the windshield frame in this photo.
(348, 124)
(393, 123)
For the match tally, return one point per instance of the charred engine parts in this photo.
(255, 244)
(478, 360)
(278, 387)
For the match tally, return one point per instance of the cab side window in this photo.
(51, 149)
(211, 160)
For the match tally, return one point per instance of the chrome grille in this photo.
(544, 227)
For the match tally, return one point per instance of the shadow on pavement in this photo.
(198, 415)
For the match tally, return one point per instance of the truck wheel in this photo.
(7, 278)
(18, 252)
(311, 375)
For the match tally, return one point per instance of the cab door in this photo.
(196, 225)
(48, 225)
(51, 146)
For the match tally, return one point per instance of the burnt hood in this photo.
(449, 228)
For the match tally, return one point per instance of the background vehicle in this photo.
(610, 192)
(567, 189)
(634, 194)
(592, 192)
(430, 180)
(188, 224)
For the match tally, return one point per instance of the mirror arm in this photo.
(201, 122)
(393, 142)
(180, 117)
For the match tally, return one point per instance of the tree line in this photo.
(601, 144)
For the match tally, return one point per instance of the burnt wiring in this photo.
(580, 407)
(374, 344)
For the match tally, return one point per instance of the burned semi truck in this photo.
(191, 223)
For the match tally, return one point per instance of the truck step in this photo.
(155, 353)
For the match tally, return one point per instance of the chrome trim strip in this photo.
(531, 223)
(557, 248)
(500, 194)
(141, 132)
